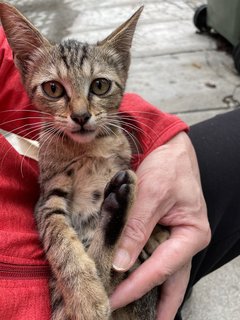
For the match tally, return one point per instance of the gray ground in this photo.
(175, 68)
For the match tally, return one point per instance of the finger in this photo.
(142, 219)
(132, 288)
(164, 262)
(172, 293)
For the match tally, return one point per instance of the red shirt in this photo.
(23, 285)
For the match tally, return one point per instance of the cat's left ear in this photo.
(121, 38)
(22, 36)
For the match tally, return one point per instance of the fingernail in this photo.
(121, 260)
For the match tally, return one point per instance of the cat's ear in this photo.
(22, 36)
(121, 38)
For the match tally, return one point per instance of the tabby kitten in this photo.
(84, 158)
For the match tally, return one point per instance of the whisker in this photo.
(126, 124)
(23, 136)
(132, 126)
(130, 119)
(107, 129)
(24, 133)
(37, 126)
(28, 126)
(131, 136)
(50, 132)
(25, 110)
(45, 137)
(20, 110)
(153, 113)
(21, 119)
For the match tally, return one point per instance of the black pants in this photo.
(217, 144)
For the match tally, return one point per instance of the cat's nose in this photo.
(81, 118)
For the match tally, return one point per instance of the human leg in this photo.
(217, 145)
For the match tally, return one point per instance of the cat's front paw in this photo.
(118, 197)
(91, 307)
(87, 300)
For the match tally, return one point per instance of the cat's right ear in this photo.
(22, 36)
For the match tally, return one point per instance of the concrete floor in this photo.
(173, 67)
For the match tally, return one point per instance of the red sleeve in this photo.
(14, 102)
(148, 126)
(18, 175)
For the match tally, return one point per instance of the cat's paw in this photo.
(118, 197)
(100, 312)
(91, 306)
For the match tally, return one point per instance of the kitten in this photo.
(87, 187)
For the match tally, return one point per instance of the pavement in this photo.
(178, 70)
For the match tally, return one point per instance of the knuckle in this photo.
(208, 235)
(136, 231)
(202, 222)
(205, 227)
(204, 232)
(162, 276)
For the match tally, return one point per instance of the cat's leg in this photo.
(57, 301)
(118, 198)
(75, 272)
(83, 293)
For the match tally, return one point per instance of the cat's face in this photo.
(77, 87)
(81, 87)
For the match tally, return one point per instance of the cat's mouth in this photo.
(83, 131)
(82, 135)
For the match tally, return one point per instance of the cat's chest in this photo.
(89, 183)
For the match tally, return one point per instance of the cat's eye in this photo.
(53, 89)
(100, 86)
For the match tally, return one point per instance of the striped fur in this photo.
(86, 185)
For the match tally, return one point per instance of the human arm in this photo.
(170, 194)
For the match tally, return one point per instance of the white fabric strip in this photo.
(25, 147)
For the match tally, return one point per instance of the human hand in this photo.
(169, 193)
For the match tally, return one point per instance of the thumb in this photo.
(143, 217)
(151, 203)
(133, 238)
